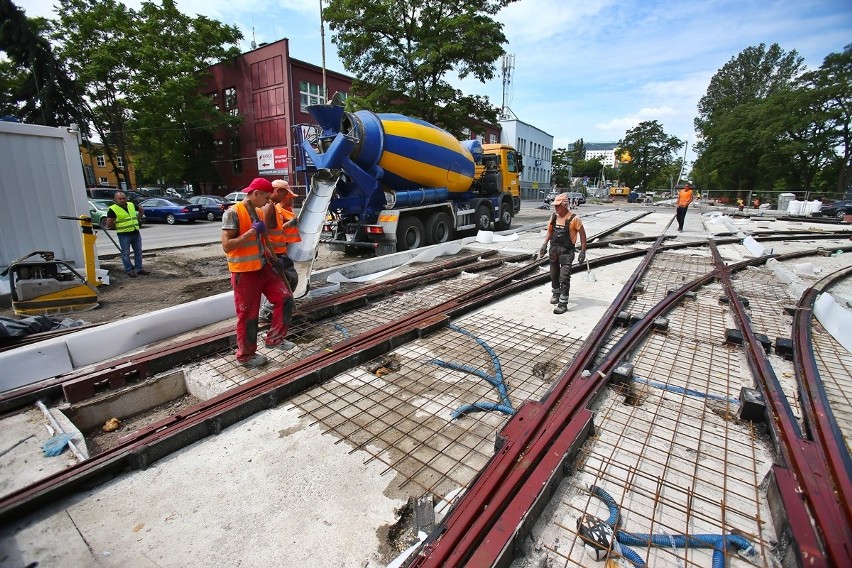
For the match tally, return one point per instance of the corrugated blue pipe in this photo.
(718, 542)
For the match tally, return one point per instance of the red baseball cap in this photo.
(259, 184)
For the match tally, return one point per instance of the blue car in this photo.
(171, 209)
(212, 206)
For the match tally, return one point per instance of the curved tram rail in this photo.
(501, 502)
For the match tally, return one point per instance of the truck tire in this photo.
(439, 229)
(410, 234)
(505, 221)
(483, 217)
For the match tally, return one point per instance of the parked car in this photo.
(213, 206)
(98, 209)
(838, 209)
(109, 193)
(235, 197)
(171, 210)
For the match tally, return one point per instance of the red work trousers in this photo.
(248, 286)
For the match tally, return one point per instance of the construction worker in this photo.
(283, 227)
(562, 231)
(124, 218)
(250, 260)
(684, 198)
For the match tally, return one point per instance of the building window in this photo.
(103, 181)
(120, 161)
(493, 139)
(230, 95)
(310, 94)
(235, 146)
(214, 98)
(219, 148)
(236, 166)
(101, 161)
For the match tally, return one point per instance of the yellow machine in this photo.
(48, 286)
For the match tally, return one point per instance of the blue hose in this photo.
(505, 405)
(718, 542)
(681, 390)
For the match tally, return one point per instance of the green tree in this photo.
(832, 83)
(173, 123)
(34, 86)
(732, 146)
(588, 168)
(652, 152)
(752, 75)
(578, 151)
(141, 71)
(562, 165)
(401, 53)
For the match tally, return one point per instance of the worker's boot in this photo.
(560, 309)
(554, 299)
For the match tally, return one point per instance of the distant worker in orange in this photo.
(684, 198)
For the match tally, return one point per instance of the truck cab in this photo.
(510, 164)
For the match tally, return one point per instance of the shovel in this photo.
(590, 277)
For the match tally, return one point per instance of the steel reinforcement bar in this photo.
(487, 525)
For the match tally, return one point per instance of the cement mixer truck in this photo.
(407, 183)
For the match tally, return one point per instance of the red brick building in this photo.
(270, 91)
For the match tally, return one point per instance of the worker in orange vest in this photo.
(684, 198)
(251, 260)
(283, 228)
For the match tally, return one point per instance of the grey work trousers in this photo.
(561, 259)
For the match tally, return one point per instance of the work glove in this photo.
(259, 227)
(581, 258)
(542, 252)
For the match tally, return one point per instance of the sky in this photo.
(584, 69)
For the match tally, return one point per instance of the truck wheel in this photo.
(505, 221)
(438, 228)
(483, 217)
(410, 234)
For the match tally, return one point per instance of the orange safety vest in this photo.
(247, 258)
(684, 197)
(281, 235)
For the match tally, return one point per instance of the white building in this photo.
(602, 151)
(536, 148)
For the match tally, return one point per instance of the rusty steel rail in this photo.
(821, 425)
(794, 512)
(523, 446)
(209, 417)
(156, 441)
(491, 518)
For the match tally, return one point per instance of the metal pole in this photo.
(322, 36)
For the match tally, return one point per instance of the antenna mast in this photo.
(253, 43)
(508, 68)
